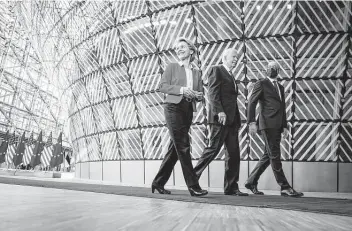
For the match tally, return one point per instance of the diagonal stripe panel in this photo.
(77, 125)
(347, 105)
(127, 10)
(257, 147)
(150, 109)
(156, 142)
(103, 117)
(87, 60)
(173, 23)
(137, 37)
(315, 141)
(197, 134)
(345, 153)
(108, 48)
(124, 113)
(218, 20)
(263, 18)
(317, 99)
(79, 95)
(117, 80)
(168, 57)
(101, 17)
(157, 5)
(261, 51)
(323, 16)
(95, 88)
(321, 56)
(130, 144)
(144, 74)
(88, 122)
(109, 146)
(93, 148)
(83, 154)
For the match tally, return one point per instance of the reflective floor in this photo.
(35, 208)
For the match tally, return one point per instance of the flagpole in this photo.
(63, 161)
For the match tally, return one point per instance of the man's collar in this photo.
(271, 80)
(182, 64)
(228, 69)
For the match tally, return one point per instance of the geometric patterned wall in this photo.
(122, 49)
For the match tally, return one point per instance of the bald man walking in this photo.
(272, 125)
(224, 122)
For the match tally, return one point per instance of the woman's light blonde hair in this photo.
(191, 46)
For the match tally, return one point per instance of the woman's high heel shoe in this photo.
(160, 189)
(197, 191)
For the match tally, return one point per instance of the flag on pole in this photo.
(37, 151)
(48, 152)
(57, 153)
(11, 149)
(3, 147)
(28, 152)
(17, 159)
(68, 158)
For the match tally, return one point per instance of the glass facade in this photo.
(118, 114)
(109, 57)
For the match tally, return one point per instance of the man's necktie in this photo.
(234, 81)
(277, 89)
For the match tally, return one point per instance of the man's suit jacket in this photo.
(272, 113)
(222, 96)
(173, 78)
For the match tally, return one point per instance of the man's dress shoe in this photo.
(254, 189)
(196, 191)
(290, 192)
(236, 193)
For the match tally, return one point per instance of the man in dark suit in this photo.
(272, 124)
(224, 122)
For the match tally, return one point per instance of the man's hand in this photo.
(253, 128)
(285, 133)
(189, 93)
(199, 95)
(222, 118)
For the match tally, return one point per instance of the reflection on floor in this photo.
(35, 208)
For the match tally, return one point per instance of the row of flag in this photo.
(32, 152)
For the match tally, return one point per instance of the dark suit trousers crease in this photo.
(271, 156)
(178, 120)
(220, 135)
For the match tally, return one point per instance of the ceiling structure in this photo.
(34, 93)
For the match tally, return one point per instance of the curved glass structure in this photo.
(101, 62)
(117, 114)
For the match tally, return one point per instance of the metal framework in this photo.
(31, 97)
(109, 56)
